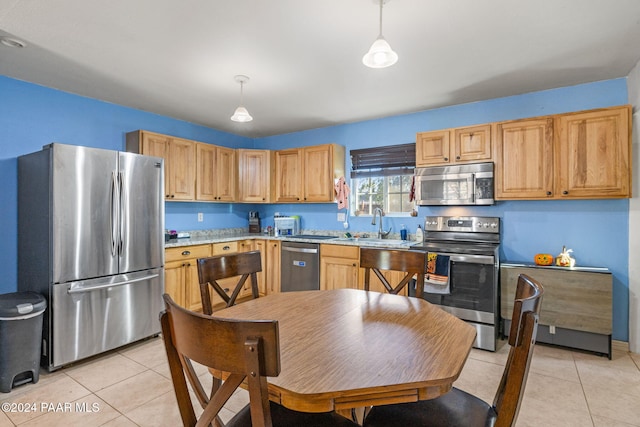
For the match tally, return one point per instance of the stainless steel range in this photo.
(462, 277)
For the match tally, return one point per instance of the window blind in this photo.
(383, 161)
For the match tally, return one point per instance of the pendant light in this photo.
(241, 114)
(380, 54)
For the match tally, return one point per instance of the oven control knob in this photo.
(494, 225)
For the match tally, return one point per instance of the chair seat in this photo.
(457, 408)
(283, 417)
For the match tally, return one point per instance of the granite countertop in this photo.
(220, 236)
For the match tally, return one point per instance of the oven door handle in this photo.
(474, 259)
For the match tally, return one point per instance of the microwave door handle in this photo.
(473, 187)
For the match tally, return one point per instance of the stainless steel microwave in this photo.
(468, 184)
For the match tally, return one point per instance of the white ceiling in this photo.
(178, 58)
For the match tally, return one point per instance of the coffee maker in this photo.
(254, 222)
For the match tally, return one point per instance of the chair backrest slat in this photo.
(413, 263)
(210, 270)
(522, 336)
(238, 347)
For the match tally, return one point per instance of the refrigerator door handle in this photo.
(122, 212)
(113, 213)
(81, 289)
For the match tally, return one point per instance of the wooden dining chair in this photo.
(461, 409)
(413, 263)
(212, 269)
(249, 350)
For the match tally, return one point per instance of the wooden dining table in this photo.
(347, 348)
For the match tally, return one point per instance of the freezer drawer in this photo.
(93, 316)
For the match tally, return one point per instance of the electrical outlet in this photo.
(200, 217)
(342, 216)
(552, 329)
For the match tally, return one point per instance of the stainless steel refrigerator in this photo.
(91, 239)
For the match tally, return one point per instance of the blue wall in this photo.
(597, 230)
(32, 116)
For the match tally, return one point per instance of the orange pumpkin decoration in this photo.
(543, 259)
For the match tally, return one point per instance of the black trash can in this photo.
(21, 316)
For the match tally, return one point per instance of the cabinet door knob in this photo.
(185, 253)
(457, 157)
(549, 193)
(565, 192)
(446, 159)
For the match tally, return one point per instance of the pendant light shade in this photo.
(241, 114)
(380, 54)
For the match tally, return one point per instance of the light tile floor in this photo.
(132, 387)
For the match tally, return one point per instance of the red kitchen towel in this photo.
(412, 192)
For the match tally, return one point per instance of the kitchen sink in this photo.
(312, 236)
(370, 241)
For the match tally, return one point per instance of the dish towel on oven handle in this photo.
(436, 281)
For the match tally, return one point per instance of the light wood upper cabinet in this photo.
(432, 148)
(339, 266)
(449, 146)
(179, 161)
(289, 175)
(472, 144)
(308, 174)
(322, 165)
(216, 173)
(524, 159)
(584, 155)
(255, 172)
(594, 153)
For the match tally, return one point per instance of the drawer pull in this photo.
(185, 253)
(226, 248)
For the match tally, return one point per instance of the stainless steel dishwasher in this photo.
(300, 266)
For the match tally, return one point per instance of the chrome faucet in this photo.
(381, 233)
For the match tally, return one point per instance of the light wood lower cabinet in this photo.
(181, 274)
(181, 271)
(339, 266)
(270, 265)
